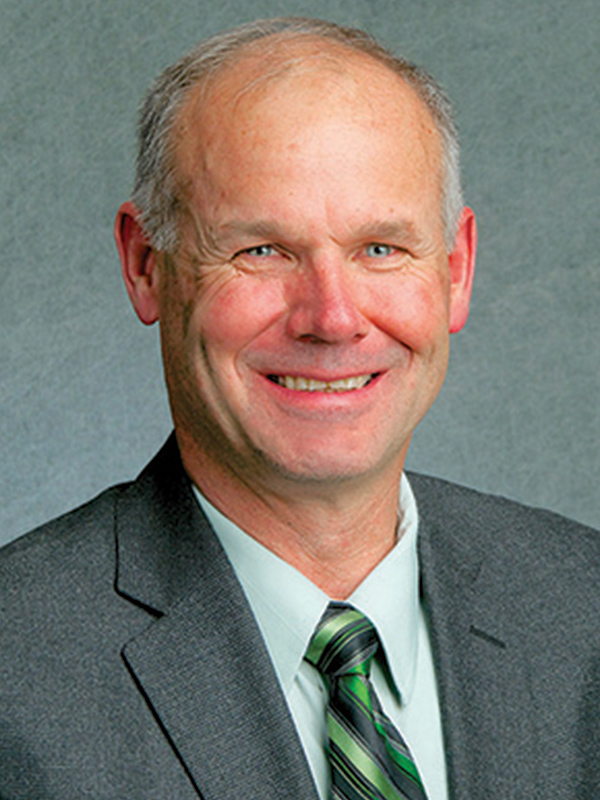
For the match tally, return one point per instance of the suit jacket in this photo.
(131, 665)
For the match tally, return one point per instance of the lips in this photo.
(299, 383)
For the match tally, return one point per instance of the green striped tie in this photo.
(369, 758)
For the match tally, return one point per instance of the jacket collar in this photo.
(201, 663)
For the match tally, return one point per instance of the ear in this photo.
(138, 263)
(462, 269)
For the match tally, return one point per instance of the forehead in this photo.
(298, 81)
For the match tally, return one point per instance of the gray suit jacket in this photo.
(131, 666)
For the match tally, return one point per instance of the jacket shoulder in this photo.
(66, 544)
(490, 522)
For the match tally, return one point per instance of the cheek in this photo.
(238, 313)
(412, 311)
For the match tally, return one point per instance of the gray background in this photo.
(81, 397)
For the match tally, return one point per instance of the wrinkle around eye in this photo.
(210, 278)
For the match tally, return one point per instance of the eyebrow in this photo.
(257, 228)
(392, 230)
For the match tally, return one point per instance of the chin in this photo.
(317, 466)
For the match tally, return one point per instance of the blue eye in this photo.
(376, 250)
(260, 251)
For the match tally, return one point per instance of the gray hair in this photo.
(157, 193)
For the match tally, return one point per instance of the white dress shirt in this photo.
(288, 606)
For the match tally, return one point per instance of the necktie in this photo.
(369, 758)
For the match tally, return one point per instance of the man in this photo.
(297, 230)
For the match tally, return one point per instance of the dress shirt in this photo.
(288, 606)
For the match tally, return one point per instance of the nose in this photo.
(323, 305)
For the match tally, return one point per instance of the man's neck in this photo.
(333, 535)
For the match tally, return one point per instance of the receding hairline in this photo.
(267, 62)
(262, 61)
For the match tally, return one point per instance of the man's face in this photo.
(305, 322)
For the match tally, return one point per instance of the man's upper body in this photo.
(133, 667)
(297, 230)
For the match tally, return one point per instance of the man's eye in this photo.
(376, 250)
(262, 258)
(260, 251)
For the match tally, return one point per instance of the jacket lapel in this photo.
(201, 663)
(479, 647)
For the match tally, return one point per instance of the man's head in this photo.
(309, 284)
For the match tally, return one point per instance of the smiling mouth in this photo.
(299, 384)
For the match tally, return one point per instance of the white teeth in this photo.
(310, 385)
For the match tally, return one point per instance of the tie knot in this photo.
(343, 643)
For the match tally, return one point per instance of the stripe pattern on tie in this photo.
(369, 758)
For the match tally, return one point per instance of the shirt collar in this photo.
(389, 597)
(287, 606)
